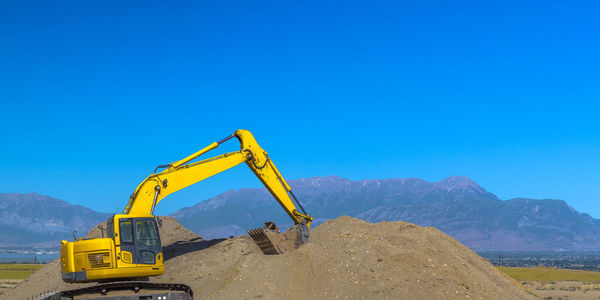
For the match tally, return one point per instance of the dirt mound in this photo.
(345, 258)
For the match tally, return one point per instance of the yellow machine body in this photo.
(113, 257)
(132, 246)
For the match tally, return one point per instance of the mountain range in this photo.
(38, 221)
(456, 205)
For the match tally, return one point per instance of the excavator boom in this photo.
(183, 173)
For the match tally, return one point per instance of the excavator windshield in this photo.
(146, 233)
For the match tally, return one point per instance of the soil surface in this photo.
(345, 258)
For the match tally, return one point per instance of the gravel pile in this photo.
(345, 258)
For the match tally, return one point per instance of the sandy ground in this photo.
(8, 284)
(345, 258)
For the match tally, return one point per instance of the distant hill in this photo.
(33, 220)
(456, 205)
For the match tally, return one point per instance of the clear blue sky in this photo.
(95, 94)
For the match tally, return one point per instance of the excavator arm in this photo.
(183, 173)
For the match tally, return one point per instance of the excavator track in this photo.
(126, 290)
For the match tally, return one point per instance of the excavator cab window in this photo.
(110, 230)
(146, 233)
(126, 231)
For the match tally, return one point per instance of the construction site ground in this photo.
(345, 258)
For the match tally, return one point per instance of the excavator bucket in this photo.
(271, 241)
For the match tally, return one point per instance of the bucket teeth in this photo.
(271, 241)
(264, 242)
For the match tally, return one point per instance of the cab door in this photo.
(125, 242)
(147, 240)
(139, 236)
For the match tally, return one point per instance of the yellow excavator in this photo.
(132, 248)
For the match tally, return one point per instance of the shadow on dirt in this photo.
(183, 247)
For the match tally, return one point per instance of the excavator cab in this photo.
(137, 239)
